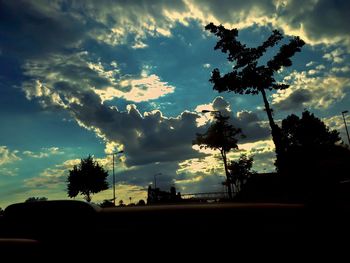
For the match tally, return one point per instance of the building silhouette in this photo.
(157, 196)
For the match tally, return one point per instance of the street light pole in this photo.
(155, 180)
(113, 181)
(114, 175)
(346, 128)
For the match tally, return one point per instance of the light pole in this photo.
(346, 128)
(115, 153)
(155, 180)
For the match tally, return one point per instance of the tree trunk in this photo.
(229, 187)
(275, 130)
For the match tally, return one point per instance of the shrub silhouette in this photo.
(240, 170)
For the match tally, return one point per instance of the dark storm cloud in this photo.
(27, 30)
(146, 138)
(252, 127)
(64, 70)
(320, 19)
(295, 101)
(235, 11)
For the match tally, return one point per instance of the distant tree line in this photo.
(35, 199)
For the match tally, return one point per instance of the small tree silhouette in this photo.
(87, 178)
(247, 77)
(141, 202)
(220, 136)
(240, 170)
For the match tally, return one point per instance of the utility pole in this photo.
(114, 174)
(346, 127)
(113, 182)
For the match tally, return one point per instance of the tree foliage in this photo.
(313, 160)
(305, 141)
(87, 178)
(248, 75)
(307, 131)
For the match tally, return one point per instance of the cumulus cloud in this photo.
(8, 156)
(60, 80)
(141, 89)
(207, 173)
(208, 165)
(336, 56)
(344, 69)
(46, 152)
(315, 21)
(337, 123)
(51, 177)
(252, 126)
(162, 138)
(263, 152)
(5, 171)
(137, 19)
(310, 91)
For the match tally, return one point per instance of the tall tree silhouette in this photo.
(248, 76)
(220, 136)
(87, 178)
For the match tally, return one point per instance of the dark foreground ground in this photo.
(71, 230)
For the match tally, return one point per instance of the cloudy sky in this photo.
(93, 77)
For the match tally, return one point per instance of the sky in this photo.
(95, 77)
